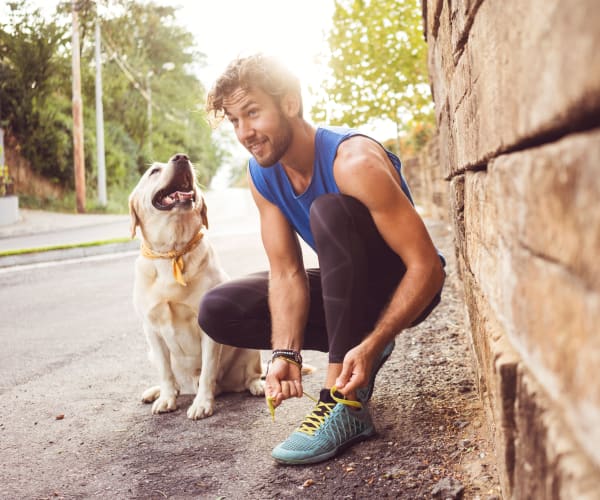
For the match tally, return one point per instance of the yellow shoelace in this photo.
(347, 402)
(271, 399)
(271, 403)
(317, 417)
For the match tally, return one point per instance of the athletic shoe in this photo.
(333, 425)
(365, 393)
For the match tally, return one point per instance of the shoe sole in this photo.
(330, 454)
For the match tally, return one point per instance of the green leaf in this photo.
(378, 65)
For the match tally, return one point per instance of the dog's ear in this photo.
(203, 214)
(135, 221)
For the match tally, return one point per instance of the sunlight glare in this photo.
(293, 31)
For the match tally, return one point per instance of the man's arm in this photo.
(363, 170)
(288, 296)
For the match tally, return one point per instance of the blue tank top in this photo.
(273, 183)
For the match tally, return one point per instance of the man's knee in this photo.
(211, 313)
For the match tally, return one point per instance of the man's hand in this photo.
(356, 370)
(283, 381)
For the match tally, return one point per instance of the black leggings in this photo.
(357, 276)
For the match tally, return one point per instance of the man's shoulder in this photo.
(334, 129)
(331, 132)
(329, 139)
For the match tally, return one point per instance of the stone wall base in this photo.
(538, 458)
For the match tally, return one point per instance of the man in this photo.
(380, 273)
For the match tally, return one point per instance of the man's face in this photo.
(259, 124)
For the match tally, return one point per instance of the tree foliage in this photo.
(378, 67)
(150, 57)
(148, 62)
(31, 68)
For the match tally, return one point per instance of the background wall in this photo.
(516, 86)
(428, 186)
(26, 180)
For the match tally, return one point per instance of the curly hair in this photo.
(257, 71)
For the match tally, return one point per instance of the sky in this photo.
(294, 30)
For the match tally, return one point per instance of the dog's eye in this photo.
(154, 170)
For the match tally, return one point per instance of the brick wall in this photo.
(516, 86)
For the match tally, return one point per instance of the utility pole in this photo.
(149, 112)
(78, 155)
(99, 121)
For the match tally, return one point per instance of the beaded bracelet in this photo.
(288, 354)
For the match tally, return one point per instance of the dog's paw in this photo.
(308, 369)
(257, 387)
(200, 409)
(151, 394)
(164, 404)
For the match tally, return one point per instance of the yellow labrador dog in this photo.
(176, 266)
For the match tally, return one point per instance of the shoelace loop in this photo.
(347, 402)
(318, 418)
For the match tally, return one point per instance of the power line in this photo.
(130, 75)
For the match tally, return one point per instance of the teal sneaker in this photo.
(334, 425)
(365, 393)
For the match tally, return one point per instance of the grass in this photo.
(23, 251)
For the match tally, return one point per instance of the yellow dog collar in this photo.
(176, 257)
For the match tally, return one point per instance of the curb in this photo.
(67, 253)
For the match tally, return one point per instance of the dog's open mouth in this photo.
(179, 190)
(166, 201)
(175, 194)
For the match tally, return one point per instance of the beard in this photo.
(279, 143)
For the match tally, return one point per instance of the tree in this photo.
(31, 68)
(150, 89)
(378, 65)
(144, 49)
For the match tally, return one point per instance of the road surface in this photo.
(73, 366)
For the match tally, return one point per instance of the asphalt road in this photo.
(73, 366)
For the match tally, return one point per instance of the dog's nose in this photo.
(180, 156)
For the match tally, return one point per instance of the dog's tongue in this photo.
(177, 196)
